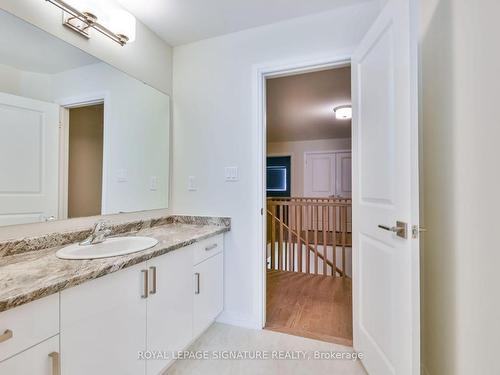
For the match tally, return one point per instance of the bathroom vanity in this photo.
(126, 314)
(81, 142)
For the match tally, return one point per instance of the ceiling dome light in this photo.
(343, 113)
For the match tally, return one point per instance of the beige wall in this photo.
(86, 132)
(461, 184)
(148, 59)
(297, 149)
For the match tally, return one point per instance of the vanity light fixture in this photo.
(343, 112)
(120, 25)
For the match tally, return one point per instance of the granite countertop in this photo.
(25, 277)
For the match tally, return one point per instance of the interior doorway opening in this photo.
(82, 157)
(308, 205)
(85, 160)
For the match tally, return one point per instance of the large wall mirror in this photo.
(77, 136)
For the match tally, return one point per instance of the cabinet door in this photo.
(170, 306)
(208, 289)
(38, 360)
(103, 325)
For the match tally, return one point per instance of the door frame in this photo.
(65, 105)
(260, 74)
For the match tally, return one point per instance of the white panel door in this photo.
(170, 305)
(29, 136)
(41, 359)
(385, 190)
(343, 185)
(319, 175)
(103, 325)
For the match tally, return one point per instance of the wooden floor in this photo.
(318, 307)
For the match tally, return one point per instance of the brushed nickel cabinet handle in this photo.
(197, 290)
(56, 363)
(211, 247)
(7, 334)
(153, 280)
(145, 290)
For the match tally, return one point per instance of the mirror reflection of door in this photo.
(86, 132)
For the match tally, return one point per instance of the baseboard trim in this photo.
(239, 320)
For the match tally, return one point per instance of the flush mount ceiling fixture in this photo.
(111, 21)
(343, 112)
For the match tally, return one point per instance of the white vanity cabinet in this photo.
(103, 325)
(29, 340)
(108, 324)
(169, 305)
(208, 280)
(41, 359)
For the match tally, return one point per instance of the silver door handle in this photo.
(211, 247)
(153, 281)
(145, 288)
(6, 335)
(56, 363)
(197, 290)
(401, 229)
(390, 229)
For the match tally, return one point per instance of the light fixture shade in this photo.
(123, 23)
(343, 112)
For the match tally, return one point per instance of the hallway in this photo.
(312, 306)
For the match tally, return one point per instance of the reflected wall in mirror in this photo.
(77, 136)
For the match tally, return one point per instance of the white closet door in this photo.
(29, 159)
(319, 175)
(343, 185)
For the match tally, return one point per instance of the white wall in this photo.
(28, 84)
(136, 134)
(148, 59)
(297, 149)
(214, 128)
(137, 128)
(461, 132)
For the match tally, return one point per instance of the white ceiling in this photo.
(25, 47)
(184, 21)
(300, 107)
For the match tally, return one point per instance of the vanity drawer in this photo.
(208, 248)
(28, 325)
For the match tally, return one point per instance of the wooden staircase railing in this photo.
(302, 232)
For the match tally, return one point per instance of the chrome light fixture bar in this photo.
(81, 22)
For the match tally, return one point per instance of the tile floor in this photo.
(222, 337)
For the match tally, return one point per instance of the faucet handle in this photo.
(100, 225)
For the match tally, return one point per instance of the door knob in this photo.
(401, 229)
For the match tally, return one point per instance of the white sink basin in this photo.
(111, 247)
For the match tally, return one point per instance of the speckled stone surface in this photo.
(23, 245)
(30, 275)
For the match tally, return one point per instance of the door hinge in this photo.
(262, 212)
(415, 231)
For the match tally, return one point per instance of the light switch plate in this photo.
(121, 175)
(153, 183)
(231, 174)
(192, 183)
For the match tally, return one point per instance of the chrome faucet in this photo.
(98, 235)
